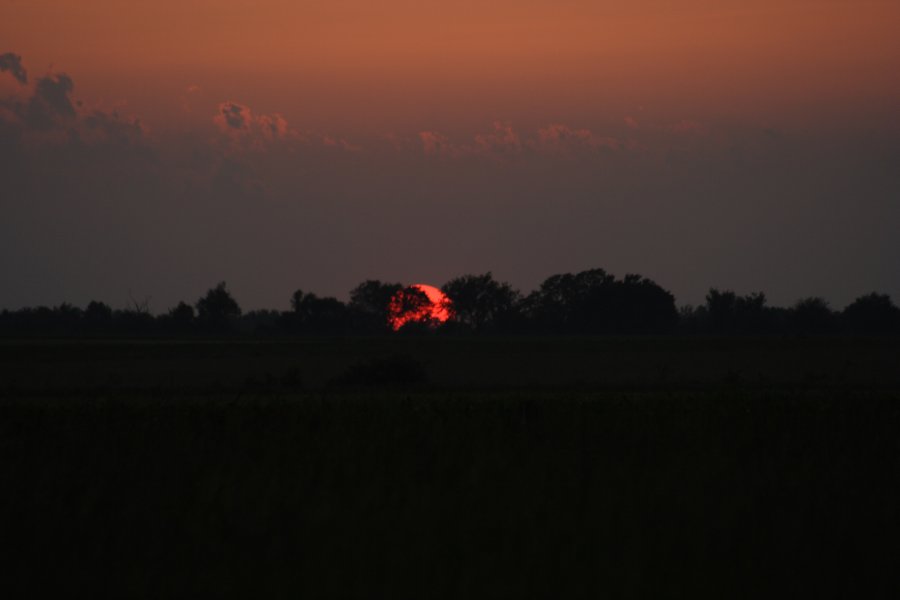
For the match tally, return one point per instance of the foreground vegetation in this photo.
(452, 495)
(418, 468)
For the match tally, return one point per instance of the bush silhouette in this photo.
(812, 316)
(218, 310)
(98, 315)
(727, 313)
(872, 314)
(397, 370)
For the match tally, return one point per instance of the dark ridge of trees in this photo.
(591, 302)
(871, 314)
(726, 313)
(730, 313)
(99, 316)
(370, 305)
(260, 323)
(812, 316)
(595, 302)
(482, 304)
(311, 314)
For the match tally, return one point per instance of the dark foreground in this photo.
(152, 470)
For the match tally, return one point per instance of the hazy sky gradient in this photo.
(159, 147)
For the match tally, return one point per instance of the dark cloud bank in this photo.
(13, 64)
(95, 206)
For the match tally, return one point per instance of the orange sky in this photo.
(751, 145)
(412, 64)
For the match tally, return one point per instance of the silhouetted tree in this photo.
(369, 306)
(690, 318)
(183, 314)
(561, 301)
(481, 303)
(812, 316)
(410, 310)
(134, 321)
(720, 310)
(98, 318)
(218, 310)
(37, 320)
(179, 319)
(314, 315)
(68, 318)
(643, 307)
(728, 313)
(594, 301)
(63, 320)
(588, 302)
(872, 314)
(98, 314)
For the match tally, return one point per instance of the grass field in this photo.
(453, 363)
(451, 468)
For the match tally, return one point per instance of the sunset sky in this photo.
(152, 149)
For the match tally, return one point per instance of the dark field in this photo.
(665, 467)
(630, 363)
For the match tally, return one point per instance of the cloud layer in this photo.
(99, 204)
(12, 63)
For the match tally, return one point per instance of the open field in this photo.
(507, 468)
(629, 363)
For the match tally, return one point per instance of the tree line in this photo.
(591, 302)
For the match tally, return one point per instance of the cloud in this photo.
(46, 113)
(402, 143)
(110, 126)
(498, 144)
(244, 128)
(340, 143)
(189, 96)
(503, 140)
(688, 127)
(13, 63)
(233, 115)
(562, 138)
(433, 143)
(237, 117)
(273, 126)
(50, 105)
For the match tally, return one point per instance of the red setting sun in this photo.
(418, 303)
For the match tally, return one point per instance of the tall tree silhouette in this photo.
(482, 303)
(218, 310)
(369, 306)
